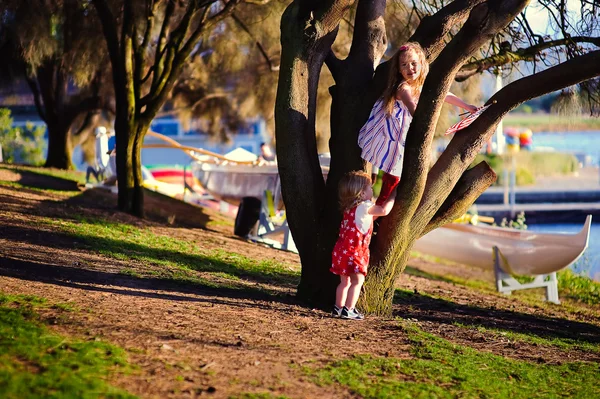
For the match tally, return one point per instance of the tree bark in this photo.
(308, 30)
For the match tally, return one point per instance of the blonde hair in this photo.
(350, 188)
(395, 77)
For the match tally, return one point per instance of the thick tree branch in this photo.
(467, 142)
(369, 40)
(433, 30)
(468, 188)
(522, 54)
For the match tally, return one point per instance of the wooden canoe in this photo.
(522, 252)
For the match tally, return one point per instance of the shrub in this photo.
(23, 145)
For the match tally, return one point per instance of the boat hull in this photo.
(233, 182)
(522, 252)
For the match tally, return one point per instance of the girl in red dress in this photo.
(350, 256)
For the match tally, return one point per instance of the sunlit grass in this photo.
(36, 363)
(173, 259)
(441, 369)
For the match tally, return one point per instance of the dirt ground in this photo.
(189, 342)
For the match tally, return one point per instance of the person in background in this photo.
(350, 257)
(112, 163)
(266, 153)
(99, 168)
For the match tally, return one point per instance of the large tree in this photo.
(428, 197)
(149, 43)
(55, 47)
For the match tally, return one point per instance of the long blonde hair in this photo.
(351, 187)
(395, 77)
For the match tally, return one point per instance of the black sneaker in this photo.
(336, 312)
(351, 314)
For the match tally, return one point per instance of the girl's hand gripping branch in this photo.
(377, 210)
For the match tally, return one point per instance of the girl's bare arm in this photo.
(377, 210)
(454, 100)
(404, 94)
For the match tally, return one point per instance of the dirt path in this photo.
(190, 342)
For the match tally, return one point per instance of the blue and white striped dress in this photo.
(382, 138)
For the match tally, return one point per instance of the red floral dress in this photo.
(351, 251)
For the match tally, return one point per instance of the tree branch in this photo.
(522, 54)
(468, 188)
(261, 49)
(484, 21)
(468, 141)
(37, 97)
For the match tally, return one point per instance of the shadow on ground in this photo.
(440, 311)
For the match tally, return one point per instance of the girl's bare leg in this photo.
(342, 291)
(356, 282)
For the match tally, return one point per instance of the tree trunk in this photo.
(308, 30)
(60, 150)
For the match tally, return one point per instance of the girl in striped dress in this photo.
(383, 137)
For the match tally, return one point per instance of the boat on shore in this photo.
(521, 252)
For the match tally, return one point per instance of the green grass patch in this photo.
(265, 395)
(578, 288)
(73, 175)
(551, 122)
(176, 258)
(558, 342)
(36, 363)
(529, 165)
(440, 369)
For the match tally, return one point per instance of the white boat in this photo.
(233, 180)
(521, 252)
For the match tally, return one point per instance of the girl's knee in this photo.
(345, 281)
(357, 278)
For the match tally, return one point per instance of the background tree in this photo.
(149, 42)
(428, 197)
(55, 47)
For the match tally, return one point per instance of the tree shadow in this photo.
(440, 311)
(98, 281)
(250, 271)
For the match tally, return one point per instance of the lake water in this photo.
(589, 263)
(582, 142)
(587, 142)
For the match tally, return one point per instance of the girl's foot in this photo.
(351, 314)
(336, 312)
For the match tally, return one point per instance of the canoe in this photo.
(522, 252)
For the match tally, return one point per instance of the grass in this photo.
(559, 342)
(36, 363)
(552, 122)
(174, 259)
(578, 288)
(441, 369)
(72, 175)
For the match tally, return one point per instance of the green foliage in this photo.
(579, 288)
(36, 363)
(440, 369)
(530, 164)
(20, 145)
(518, 223)
(544, 122)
